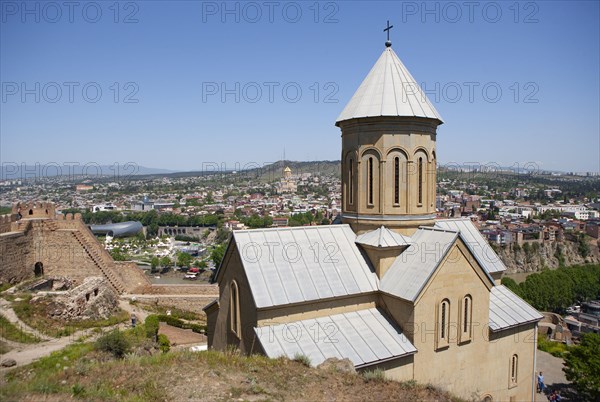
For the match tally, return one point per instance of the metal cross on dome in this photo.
(388, 43)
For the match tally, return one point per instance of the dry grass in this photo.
(37, 316)
(91, 375)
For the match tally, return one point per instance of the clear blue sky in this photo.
(176, 58)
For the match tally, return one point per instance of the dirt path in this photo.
(7, 311)
(24, 354)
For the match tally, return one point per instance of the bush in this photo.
(377, 375)
(151, 324)
(175, 322)
(114, 342)
(163, 343)
(300, 358)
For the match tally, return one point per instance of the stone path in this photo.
(8, 313)
(554, 377)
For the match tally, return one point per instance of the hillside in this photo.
(536, 257)
(80, 372)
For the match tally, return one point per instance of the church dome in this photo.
(389, 90)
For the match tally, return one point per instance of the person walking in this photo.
(540, 382)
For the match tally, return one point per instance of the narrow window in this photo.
(467, 319)
(466, 315)
(396, 180)
(420, 179)
(514, 369)
(370, 180)
(235, 309)
(351, 181)
(443, 324)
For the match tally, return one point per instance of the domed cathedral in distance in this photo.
(389, 130)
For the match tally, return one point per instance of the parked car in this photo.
(191, 276)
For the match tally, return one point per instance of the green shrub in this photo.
(556, 349)
(114, 342)
(377, 375)
(300, 358)
(151, 324)
(175, 322)
(163, 343)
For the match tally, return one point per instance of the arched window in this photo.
(466, 318)
(443, 324)
(234, 310)
(514, 369)
(370, 181)
(420, 179)
(351, 182)
(396, 180)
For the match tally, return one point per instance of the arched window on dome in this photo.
(396, 180)
(351, 181)
(370, 181)
(420, 180)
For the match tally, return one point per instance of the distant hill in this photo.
(14, 171)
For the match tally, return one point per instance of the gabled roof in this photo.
(508, 310)
(383, 237)
(389, 90)
(292, 265)
(412, 269)
(482, 251)
(366, 337)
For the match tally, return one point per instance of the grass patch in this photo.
(81, 372)
(556, 349)
(9, 331)
(377, 375)
(4, 348)
(37, 316)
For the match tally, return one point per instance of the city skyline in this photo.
(236, 83)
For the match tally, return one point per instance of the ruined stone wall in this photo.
(16, 256)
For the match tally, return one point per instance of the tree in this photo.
(165, 261)
(218, 253)
(154, 262)
(582, 367)
(183, 259)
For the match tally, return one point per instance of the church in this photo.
(390, 287)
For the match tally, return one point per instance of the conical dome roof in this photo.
(389, 90)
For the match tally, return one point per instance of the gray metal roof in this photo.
(383, 237)
(366, 337)
(509, 310)
(121, 229)
(412, 269)
(291, 265)
(389, 90)
(485, 255)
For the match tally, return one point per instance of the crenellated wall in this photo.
(62, 244)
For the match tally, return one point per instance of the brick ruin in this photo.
(35, 241)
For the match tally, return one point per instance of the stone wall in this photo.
(16, 256)
(63, 245)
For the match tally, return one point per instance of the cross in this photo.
(388, 30)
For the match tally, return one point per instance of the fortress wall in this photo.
(6, 223)
(209, 290)
(62, 255)
(132, 276)
(16, 257)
